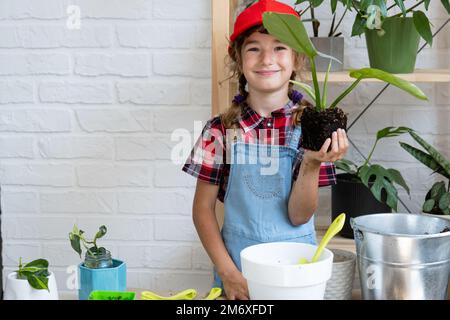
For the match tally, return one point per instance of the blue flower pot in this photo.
(104, 279)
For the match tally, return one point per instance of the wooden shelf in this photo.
(419, 75)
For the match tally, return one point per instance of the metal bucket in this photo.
(402, 256)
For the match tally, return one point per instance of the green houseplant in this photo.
(98, 271)
(437, 199)
(31, 281)
(393, 39)
(320, 121)
(367, 188)
(332, 43)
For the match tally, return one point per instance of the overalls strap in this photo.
(295, 137)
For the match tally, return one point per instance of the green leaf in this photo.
(333, 5)
(305, 87)
(75, 242)
(38, 282)
(439, 158)
(426, 4)
(437, 190)
(359, 25)
(397, 178)
(38, 263)
(422, 25)
(316, 3)
(383, 180)
(346, 166)
(289, 30)
(425, 158)
(372, 73)
(101, 232)
(324, 88)
(428, 205)
(389, 132)
(446, 5)
(444, 201)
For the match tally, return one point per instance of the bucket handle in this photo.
(358, 233)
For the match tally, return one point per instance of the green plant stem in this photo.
(314, 23)
(354, 6)
(316, 84)
(370, 154)
(346, 92)
(343, 15)
(410, 9)
(303, 12)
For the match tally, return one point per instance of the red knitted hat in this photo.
(253, 15)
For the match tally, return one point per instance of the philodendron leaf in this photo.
(383, 180)
(398, 179)
(428, 205)
(38, 282)
(305, 87)
(38, 263)
(346, 166)
(75, 242)
(422, 25)
(372, 73)
(425, 158)
(101, 232)
(290, 30)
(444, 201)
(389, 132)
(438, 157)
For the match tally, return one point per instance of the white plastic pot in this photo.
(20, 289)
(273, 273)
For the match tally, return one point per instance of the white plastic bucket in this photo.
(273, 273)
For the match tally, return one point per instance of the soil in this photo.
(318, 126)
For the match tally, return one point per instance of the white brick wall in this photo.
(86, 117)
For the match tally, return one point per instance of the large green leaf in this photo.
(372, 73)
(398, 179)
(383, 180)
(425, 158)
(289, 30)
(389, 132)
(422, 25)
(439, 158)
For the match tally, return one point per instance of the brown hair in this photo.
(231, 115)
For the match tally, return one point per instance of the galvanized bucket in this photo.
(402, 256)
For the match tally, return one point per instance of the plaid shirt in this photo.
(207, 160)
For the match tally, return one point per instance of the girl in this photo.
(259, 207)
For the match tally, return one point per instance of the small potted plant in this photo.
(368, 188)
(437, 199)
(321, 120)
(98, 271)
(31, 281)
(393, 40)
(332, 44)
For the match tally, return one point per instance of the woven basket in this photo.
(340, 285)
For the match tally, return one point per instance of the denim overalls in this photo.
(256, 203)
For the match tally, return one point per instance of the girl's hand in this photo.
(339, 147)
(235, 286)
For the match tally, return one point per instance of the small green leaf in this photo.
(38, 282)
(38, 263)
(305, 87)
(426, 4)
(437, 190)
(401, 5)
(389, 132)
(422, 25)
(446, 5)
(333, 5)
(446, 211)
(428, 205)
(346, 166)
(359, 25)
(444, 201)
(75, 242)
(101, 232)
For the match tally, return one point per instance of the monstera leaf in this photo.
(382, 179)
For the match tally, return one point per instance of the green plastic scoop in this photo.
(333, 229)
(188, 294)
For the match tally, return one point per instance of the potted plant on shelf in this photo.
(31, 281)
(393, 40)
(321, 120)
(368, 188)
(333, 43)
(437, 199)
(98, 271)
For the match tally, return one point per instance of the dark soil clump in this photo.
(318, 126)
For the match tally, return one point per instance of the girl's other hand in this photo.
(339, 146)
(235, 286)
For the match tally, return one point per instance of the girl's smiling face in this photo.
(267, 64)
